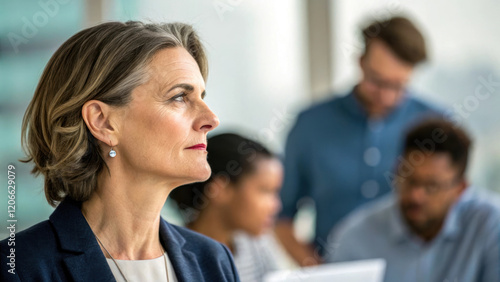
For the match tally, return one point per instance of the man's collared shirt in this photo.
(339, 157)
(467, 249)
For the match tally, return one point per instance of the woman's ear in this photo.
(96, 115)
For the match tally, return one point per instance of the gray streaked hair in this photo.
(105, 62)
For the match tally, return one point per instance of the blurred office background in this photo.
(268, 61)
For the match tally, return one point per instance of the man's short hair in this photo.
(402, 37)
(440, 136)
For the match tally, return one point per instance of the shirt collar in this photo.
(452, 225)
(352, 104)
(399, 231)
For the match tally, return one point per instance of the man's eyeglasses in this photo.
(382, 84)
(405, 185)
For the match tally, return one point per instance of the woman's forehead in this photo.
(174, 65)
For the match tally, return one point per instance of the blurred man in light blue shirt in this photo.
(434, 228)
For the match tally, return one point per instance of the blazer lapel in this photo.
(84, 267)
(184, 262)
(85, 261)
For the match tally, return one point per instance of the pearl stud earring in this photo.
(112, 153)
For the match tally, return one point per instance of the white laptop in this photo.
(354, 271)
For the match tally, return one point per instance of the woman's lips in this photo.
(198, 147)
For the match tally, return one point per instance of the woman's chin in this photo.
(201, 175)
(204, 177)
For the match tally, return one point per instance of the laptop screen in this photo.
(355, 271)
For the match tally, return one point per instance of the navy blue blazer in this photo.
(64, 248)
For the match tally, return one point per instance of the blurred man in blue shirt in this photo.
(338, 150)
(434, 229)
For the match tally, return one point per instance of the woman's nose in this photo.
(208, 119)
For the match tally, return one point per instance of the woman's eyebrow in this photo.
(186, 86)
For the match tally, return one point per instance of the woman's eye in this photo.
(179, 97)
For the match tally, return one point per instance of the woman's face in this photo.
(256, 201)
(166, 117)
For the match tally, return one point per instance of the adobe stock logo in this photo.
(221, 7)
(31, 26)
(485, 88)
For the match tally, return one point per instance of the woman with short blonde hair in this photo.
(116, 123)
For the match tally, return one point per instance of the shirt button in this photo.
(375, 125)
(372, 156)
(370, 189)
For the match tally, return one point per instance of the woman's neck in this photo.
(125, 215)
